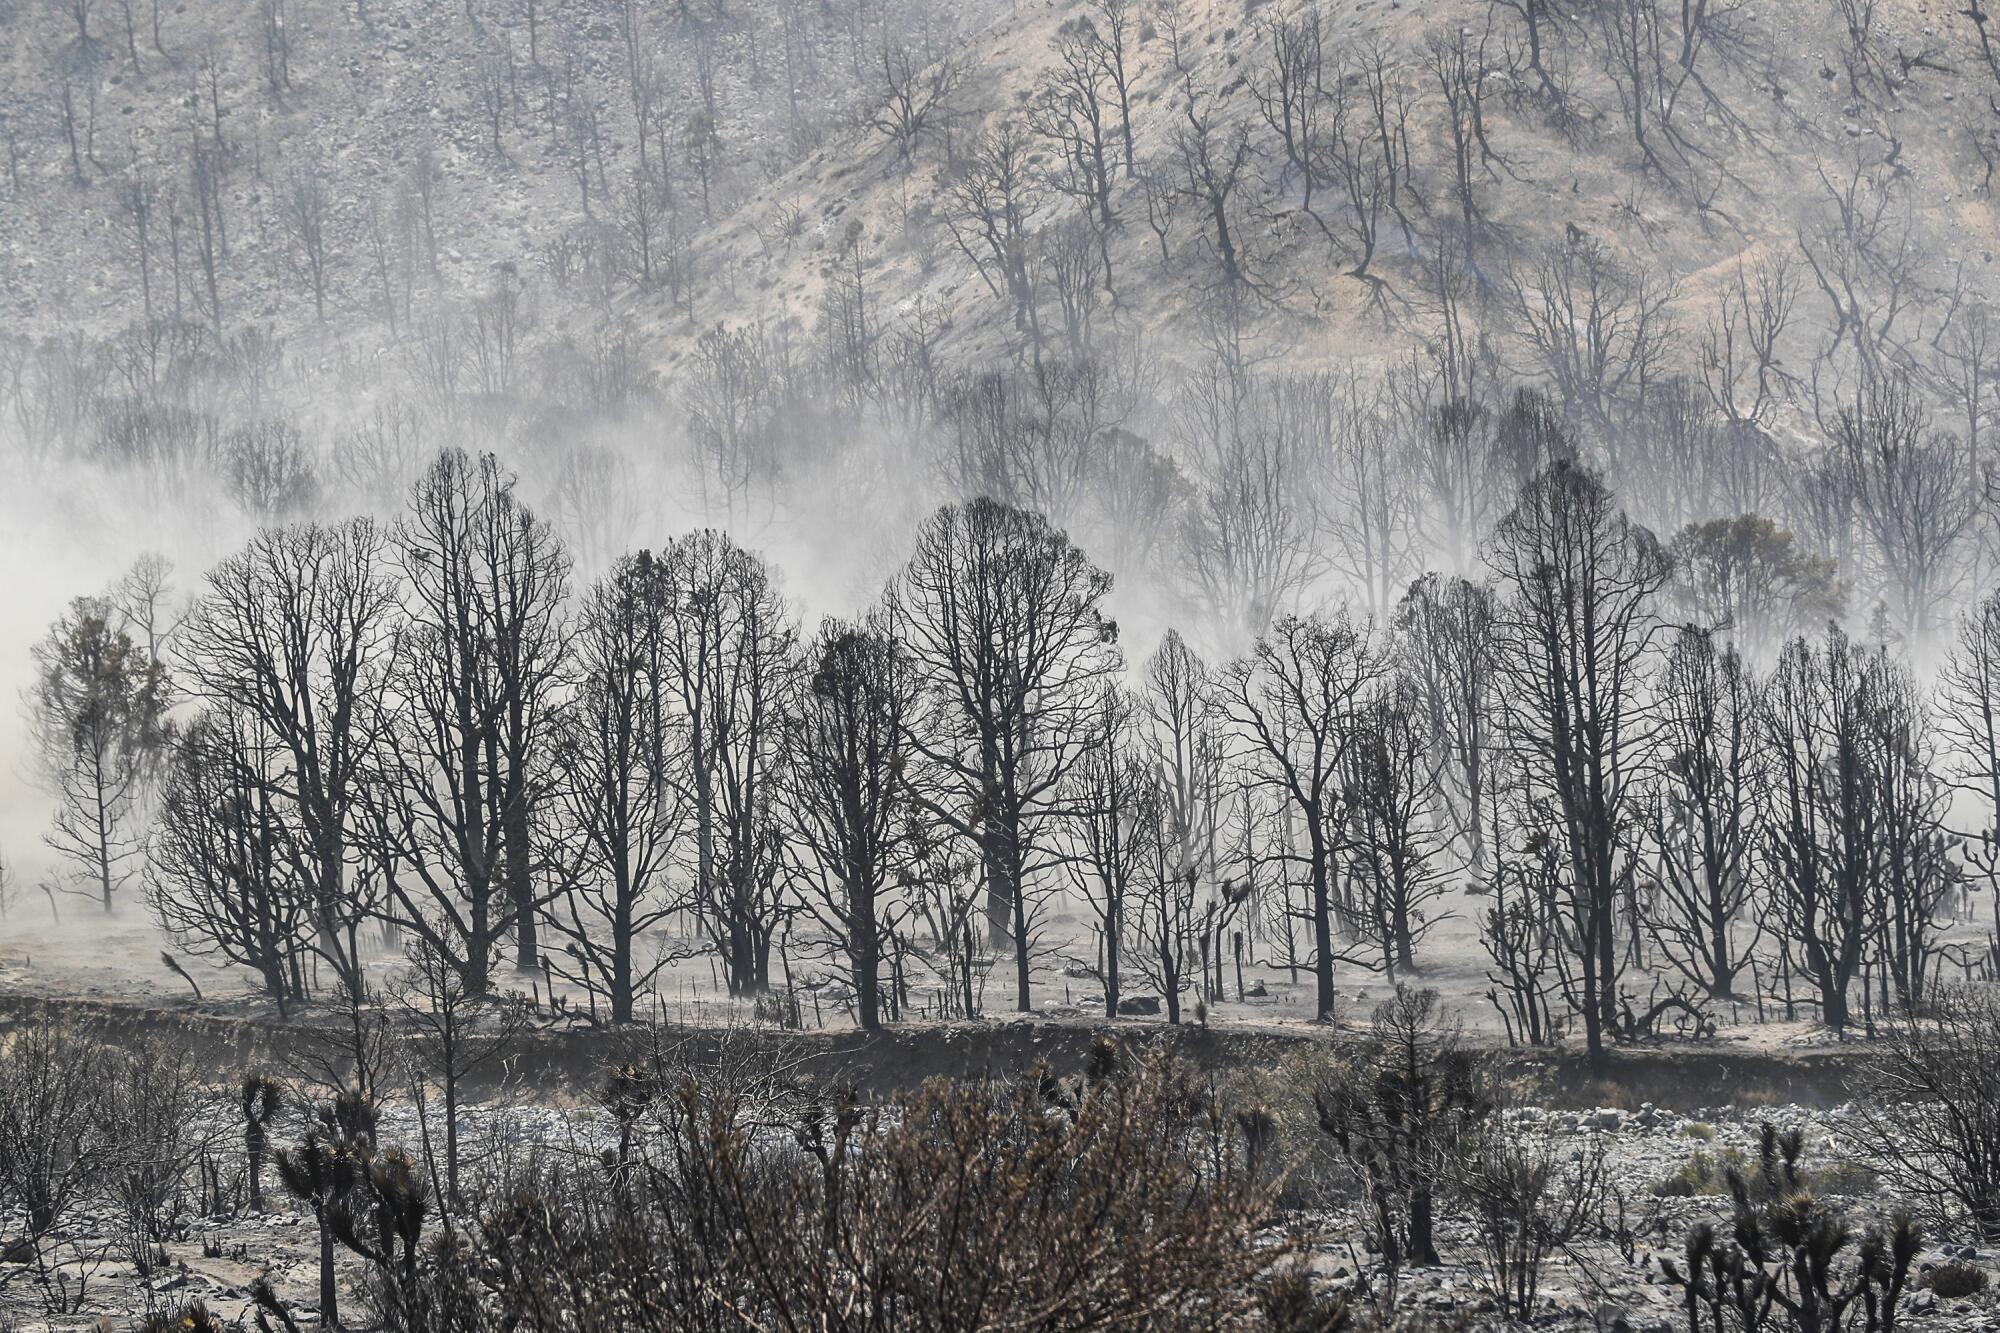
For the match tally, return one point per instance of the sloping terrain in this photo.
(1780, 122)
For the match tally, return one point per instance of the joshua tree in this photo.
(261, 1099)
(324, 1171)
(321, 1172)
(1784, 1253)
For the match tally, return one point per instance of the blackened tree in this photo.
(220, 880)
(462, 758)
(97, 715)
(1295, 702)
(731, 661)
(1825, 822)
(1004, 617)
(292, 632)
(1704, 813)
(1444, 648)
(852, 785)
(1395, 861)
(1114, 797)
(617, 745)
(1575, 631)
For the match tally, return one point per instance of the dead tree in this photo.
(1459, 69)
(1407, 1095)
(731, 659)
(468, 705)
(1371, 490)
(219, 880)
(1073, 111)
(1825, 823)
(1444, 648)
(1965, 351)
(852, 786)
(1859, 246)
(1183, 734)
(1250, 537)
(1907, 490)
(457, 1033)
(1211, 162)
(1740, 365)
(1295, 702)
(986, 210)
(1294, 100)
(1704, 815)
(306, 213)
(1598, 329)
(1111, 837)
(210, 237)
(1396, 867)
(915, 92)
(1540, 20)
(1005, 619)
(1917, 882)
(1114, 30)
(1969, 717)
(292, 633)
(617, 746)
(1575, 632)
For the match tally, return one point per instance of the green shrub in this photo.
(1957, 1279)
(1709, 1173)
(1698, 1129)
(1703, 1173)
(1843, 1178)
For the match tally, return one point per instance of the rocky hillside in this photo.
(1842, 150)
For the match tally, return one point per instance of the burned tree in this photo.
(1906, 489)
(1396, 866)
(731, 657)
(1250, 536)
(1211, 165)
(1185, 737)
(1073, 111)
(1969, 707)
(1444, 648)
(1704, 814)
(1005, 620)
(291, 633)
(986, 209)
(467, 710)
(1826, 814)
(1295, 702)
(617, 745)
(1115, 799)
(852, 791)
(97, 716)
(1598, 328)
(916, 90)
(1575, 631)
(1398, 1099)
(221, 881)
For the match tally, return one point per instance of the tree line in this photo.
(432, 726)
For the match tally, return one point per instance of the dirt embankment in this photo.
(561, 1063)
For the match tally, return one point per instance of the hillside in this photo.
(373, 126)
(436, 144)
(1782, 113)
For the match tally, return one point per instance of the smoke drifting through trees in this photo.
(1494, 558)
(421, 726)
